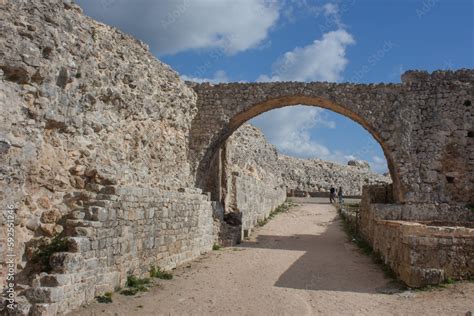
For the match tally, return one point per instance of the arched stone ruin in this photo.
(421, 124)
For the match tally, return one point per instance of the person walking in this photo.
(339, 195)
(332, 195)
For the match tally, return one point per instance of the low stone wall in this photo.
(419, 248)
(377, 204)
(120, 232)
(255, 199)
(422, 255)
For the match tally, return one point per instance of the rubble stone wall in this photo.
(253, 185)
(87, 111)
(315, 175)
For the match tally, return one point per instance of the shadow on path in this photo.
(330, 263)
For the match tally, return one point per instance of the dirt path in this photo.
(300, 263)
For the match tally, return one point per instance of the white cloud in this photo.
(171, 26)
(331, 9)
(323, 60)
(294, 9)
(378, 164)
(219, 77)
(289, 129)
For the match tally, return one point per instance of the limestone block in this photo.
(51, 216)
(66, 262)
(53, 280)
(79, 244)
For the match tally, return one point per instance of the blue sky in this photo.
(263, 40)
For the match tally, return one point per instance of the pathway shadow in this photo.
(329, 262)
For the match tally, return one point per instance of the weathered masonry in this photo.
(424, 126)
(106, 147)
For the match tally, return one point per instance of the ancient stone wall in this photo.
(86, 111)
(422, 254)
(419, 253)
(253, 185)
(122, 232)
(102, 144)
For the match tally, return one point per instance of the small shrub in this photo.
(129, 292)
(159, 273)
(44, 252)
(135, 285)
(449, 281)
(216, 247)
(470, 206)
(262, 222)
(135, 282)
(106, 298)
(434, 287)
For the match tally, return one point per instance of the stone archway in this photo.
(412, 121)
(280, 102)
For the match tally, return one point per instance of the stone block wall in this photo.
(121, 232)
(254, 198)
(424, 255)
(419, 247)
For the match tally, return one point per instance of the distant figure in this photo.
(339, 195)
(332, 195)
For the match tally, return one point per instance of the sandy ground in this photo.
(300, 263)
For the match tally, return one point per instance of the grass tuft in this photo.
(280, 209)
(470, 206)
(135, 285)
(216, 247)
(367, 249)
(157, 272)
(106, 298)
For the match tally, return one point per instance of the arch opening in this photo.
(209, 169)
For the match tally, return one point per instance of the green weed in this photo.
(367, 249)
(157, 272)
(106, 298)
(280, 209)
(44, 252)
(470, 206)
(135, 285)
